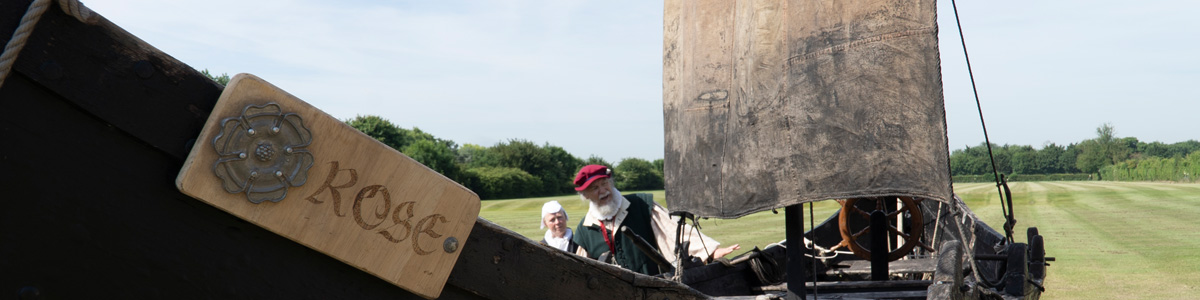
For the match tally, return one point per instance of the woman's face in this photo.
(556, 222)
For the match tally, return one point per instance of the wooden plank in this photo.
(361, 202)
(904, 266)
(502, 264)
(115, 76)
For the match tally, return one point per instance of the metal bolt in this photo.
(288, 149)
(242, 155)
(278, 173)
(143, 69)
(450, 245)
(275, 129)
(507, 244)
(253, 174)
(250, 131)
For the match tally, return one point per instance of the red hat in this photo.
(590, 173)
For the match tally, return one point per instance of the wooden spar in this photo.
(879, 246)
(794, 219)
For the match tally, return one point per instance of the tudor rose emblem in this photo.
(262, 153)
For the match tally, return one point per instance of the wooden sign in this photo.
(280, 163)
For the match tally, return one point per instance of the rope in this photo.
(975, 90)
(77, 10)
(812, 227)
(20, 36)
(28, 21)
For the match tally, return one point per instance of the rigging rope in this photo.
(988, 142)
(29, 21)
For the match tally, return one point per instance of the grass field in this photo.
(1112, 240)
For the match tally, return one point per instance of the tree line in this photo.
(512, 169)
(519, 168)
(1105, 157)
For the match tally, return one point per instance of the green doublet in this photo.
(628, 255)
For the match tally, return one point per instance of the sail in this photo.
(773, 103)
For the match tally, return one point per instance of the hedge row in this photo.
(1026, 177)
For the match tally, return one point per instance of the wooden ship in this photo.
(114, 189)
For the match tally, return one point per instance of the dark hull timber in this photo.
(96, 124)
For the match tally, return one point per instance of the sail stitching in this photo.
(862, 42)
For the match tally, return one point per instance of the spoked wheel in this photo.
(909, 211)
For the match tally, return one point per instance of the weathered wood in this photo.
(896, 289)
(948, 278)
(501, 264)
(361, 201)
(1016, 279)
(115, 76)
(857, 285)
(796, 269)
(775, 103)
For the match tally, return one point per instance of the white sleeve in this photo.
(665, 228)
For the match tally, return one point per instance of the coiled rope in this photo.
(29, 20)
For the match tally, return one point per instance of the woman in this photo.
(554, 220)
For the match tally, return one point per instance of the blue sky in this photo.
(587, 75)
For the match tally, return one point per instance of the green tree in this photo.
(637, 174)
(504, 182)
(222, 80)
(1067, 161)
(1155, 149)
(1024, 160)
(658, 166)
(474, 156)
(559, 176)
(436, 156)
(1185, 148)
(1105, 149)
(1048, 159)
(1113, 149)
(1091, 156)
(382, 130)
(550, 164)
(596, 160)
(971, 161)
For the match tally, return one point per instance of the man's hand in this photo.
(722, 252)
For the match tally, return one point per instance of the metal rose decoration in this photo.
(261, 153)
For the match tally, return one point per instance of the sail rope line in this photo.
(29, 21)
(995, 171)
(979, 106)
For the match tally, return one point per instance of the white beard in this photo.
(608, 210)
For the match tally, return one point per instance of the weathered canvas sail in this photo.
(774, 103)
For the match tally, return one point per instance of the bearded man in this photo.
(608, 211)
